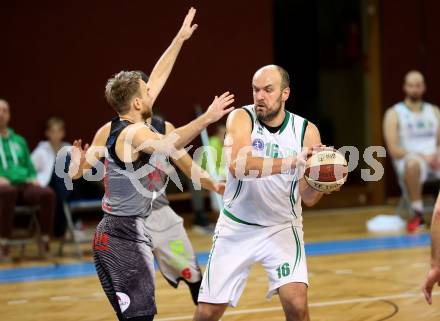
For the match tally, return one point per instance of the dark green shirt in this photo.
(15, 161)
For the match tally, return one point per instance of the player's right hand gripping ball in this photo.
(326, 171)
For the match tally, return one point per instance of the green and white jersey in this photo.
(417, 131)
(273, 199)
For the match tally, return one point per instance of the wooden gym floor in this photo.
(354, 276)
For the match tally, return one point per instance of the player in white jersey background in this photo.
(172, 248)
(411, 130)
(261, 221)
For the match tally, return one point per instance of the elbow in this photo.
(311, 199)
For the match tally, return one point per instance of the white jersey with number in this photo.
(274, 199)
(417, 130)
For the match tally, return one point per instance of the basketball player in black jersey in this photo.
(122, 245)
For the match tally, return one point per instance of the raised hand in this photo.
(187, 29)
(78, 154)
(218, 108)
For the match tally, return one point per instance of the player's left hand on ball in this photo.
(306, 152)
(319, 148)
(309, 151)
(302, 157)
(187, 29)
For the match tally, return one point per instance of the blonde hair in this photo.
(121, 88)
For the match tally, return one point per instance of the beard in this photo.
(269, 116)
(414, 97)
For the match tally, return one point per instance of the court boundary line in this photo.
(354, 210)
(312, 305)
(320, 248)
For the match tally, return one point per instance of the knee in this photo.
(412, 167)
(8, 191)
(47, 193)
(208, 312)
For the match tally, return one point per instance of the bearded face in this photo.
(414, 87)
(267, 113)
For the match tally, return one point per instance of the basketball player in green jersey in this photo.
(261, 220)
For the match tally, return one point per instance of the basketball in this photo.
(326, 171)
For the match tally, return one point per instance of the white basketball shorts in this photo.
(236, 247)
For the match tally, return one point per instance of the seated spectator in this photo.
(44, 158)
(18, 185)
(411, 130)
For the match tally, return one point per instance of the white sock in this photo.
(417, 206)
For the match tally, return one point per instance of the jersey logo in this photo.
(100, 241)
(260, 130)
(123, 300)
(258, 144)
(186, 273)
